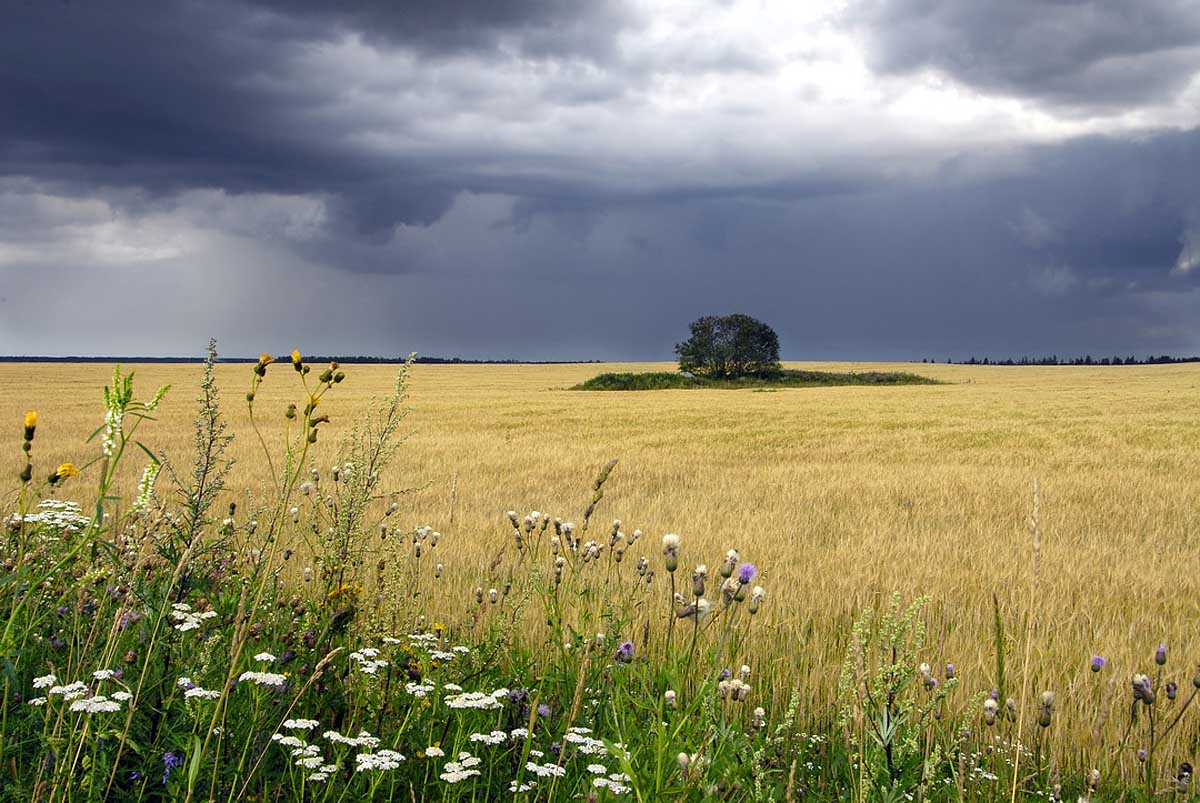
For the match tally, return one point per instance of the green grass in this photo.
(666, 380)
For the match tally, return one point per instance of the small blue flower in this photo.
(171, 762)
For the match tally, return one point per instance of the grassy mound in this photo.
(667, 380)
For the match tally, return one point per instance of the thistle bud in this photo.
(437, 570)
(684, 761)
(1046, 709)
(493, 596)
(1010, 709)
(698, 580)
(479, 594)
(670, 543)
(990, 709)
(669, 697)
(1160, 655)
(756, 598)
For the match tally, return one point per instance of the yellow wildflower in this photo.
(67, 470)
(31, 420)
(296, 357)
(265, 359)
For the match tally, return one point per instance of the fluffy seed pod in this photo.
(990, 709)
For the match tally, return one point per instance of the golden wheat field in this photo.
(840, 495)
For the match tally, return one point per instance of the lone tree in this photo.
(729, 346)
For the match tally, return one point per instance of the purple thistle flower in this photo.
(1098, 663)
(746, 573)
(995, 694)
(1160, 655)
(950, 671)
(1142, 754)
(625, 652)
(725, 674)
(543, 710)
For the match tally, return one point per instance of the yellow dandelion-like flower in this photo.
(295, 356)
(265, 359)
(67, 470)
(31, 420)
(313, 401)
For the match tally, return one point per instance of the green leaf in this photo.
(194, 765)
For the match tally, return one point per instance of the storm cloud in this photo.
(527, 178)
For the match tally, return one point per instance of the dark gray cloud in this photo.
(559, 180)
(1073, 53)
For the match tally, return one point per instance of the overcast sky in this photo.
(530, 178)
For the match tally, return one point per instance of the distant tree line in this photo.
(1054, 359)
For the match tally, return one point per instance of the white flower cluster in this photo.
(368, 660)
(460, 770)
(493, 738)
(60, 515)
(263, 678)
(71, 691)
(477, 699)
(98, 704)
(545, 770)
(363, 739)
(300, 724)
(114, 422)
(265, 657)
(307, 756)
(616, 782)
(187, 619)
(382, 760)
(418, 689)
(584, 743)
(145, 494)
